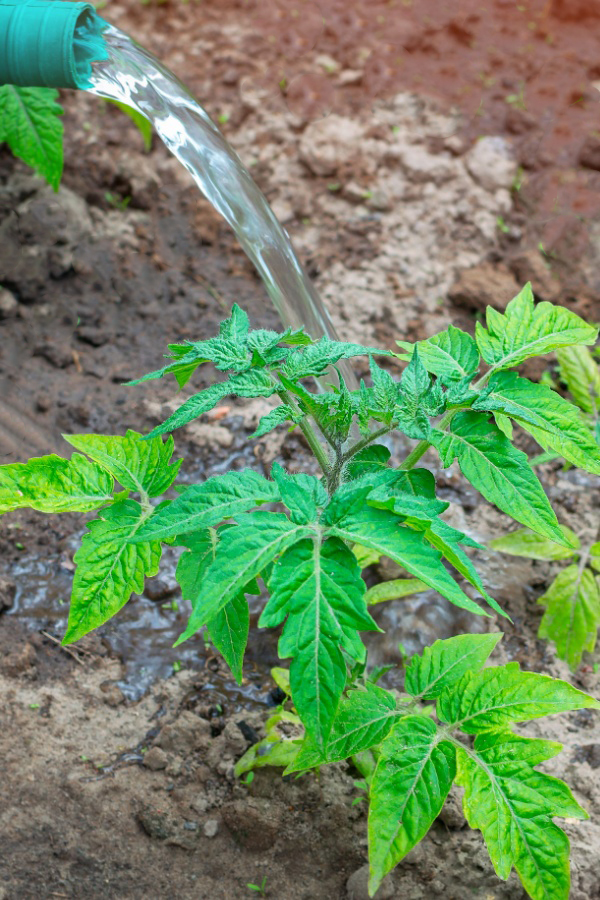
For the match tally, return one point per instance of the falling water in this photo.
(135, 77)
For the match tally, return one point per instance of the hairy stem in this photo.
(308, 432)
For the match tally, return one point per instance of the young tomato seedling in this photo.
(409, 750)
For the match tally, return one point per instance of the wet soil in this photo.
(117, 769)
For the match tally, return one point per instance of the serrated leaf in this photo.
(526, 329)
(371, 459)
(581, 375)
(381, 531)
(302, 494)
(498, 471)
(109, 568)
(30, 125)
(451, 354)
(394, 590)
(52, 484)
(228, 630)
(448, 540)
(501, 694)
(554, 422)
(255, 383)
(136, 464)
(572, 614)
(524, 542)
(512, 804)
(242, 553)
(278, 416)
(410, 494)
(315, 358)
(364, 718)
(220, 497)
(386, 392)
(414, 773)
(318, 587)
(445, 662)
(414, 383)
(236, 326)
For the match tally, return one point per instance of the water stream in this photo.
(135, 77)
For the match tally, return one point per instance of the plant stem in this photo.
(308, 432)
(364, 442)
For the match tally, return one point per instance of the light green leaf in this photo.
(255, 383)
(501, 694)
(414, 383)
(386, 391)
(143, 125)
(504, 424)
(315, 358)
(52, 484)
(581, 375)
(572, 614)
(512, 804)
(228, 630)
(414, 773)
(236, 327)
(394, 590)
(302, 494)
(498, 470)
(271, 751)
(29, 124)
(220, 497)
(526, 329)
(524, 542)
(242, 553)
(278, 416)
(554, 422)
(364, 718)
(381, 531)
(318, 587)
(137, 464)
(445, 662)
(451, 354)
(109, 568)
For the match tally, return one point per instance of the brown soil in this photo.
(107, 796)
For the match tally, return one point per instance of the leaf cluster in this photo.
(30, 125)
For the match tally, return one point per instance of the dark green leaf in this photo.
(302, 494)
(451, 354)
(30, 125)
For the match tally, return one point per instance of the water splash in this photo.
(135, 77)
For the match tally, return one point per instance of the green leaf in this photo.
(504, 424)
(242, 554)
(302, 494)
(220, 497)
(255, 383)
(278, 416)
(109, 568)
(371, 459)
(52, 484)
(526, 330)
(581, 376)
(228, 630)
(386, 391)
(136, 464)
(523, 542)
(512, 804)
(415, 381)
(143, 125)
(572, 614)
(414, 774)
(554, 422)
(381, 531)
(501, 694)
(410, 494)
(445, 662)
(394, 590)
(315, 358)
(236, 327)
(318, 587)
(451, 354)
(447, 540)
(30, 125)
(498, 471)
(363, 719)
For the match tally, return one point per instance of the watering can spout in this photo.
(49, 43)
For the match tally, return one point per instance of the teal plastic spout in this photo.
(49, 43)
